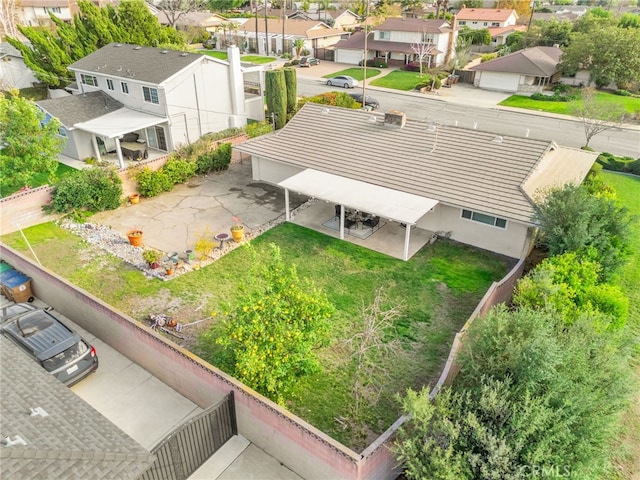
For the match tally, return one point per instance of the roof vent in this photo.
(39, 411)
(185, 54)
(164, 52)
(18, 440)
(497, 139)
(395, 118)
(137, 47)
(118, 45)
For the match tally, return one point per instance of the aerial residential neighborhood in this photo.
(319, 240)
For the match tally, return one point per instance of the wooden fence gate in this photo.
(185, 449)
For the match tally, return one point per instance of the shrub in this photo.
(256, 129)
(94, 189)
(179, 171)
(561, 88)
(276, 93)
(623, 93)
(294, 62)
(152, 183)
(432, 83)
(375, 62)
(291, 82)
(619, 164)
(488, 56)
(336, 99)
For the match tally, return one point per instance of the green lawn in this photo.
(630, 104)
(399, 80)
(214, 54)
(438, 289)
(43, 179)
(257, 59)
(357, 73)
(628, 191)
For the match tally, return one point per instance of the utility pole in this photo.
(366, 55)
(532, 6)
(266, 30)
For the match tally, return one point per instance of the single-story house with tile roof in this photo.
(525, 71)
(315, 34)
(391, 41)
(207, 20)
(476, 185)
(50, 432)
(499, 34)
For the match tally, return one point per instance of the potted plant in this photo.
(134, 198)
(135, 237)
(152, 257)
(237, 230)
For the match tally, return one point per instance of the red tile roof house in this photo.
(392, 40)
(500, 22)
(526, 71)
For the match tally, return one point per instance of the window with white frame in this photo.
(495, 24)
(385, 35)
(427, 38)
(125, 87)
(485, 23)
(484, 218)
(462, 22)
(110, 84)
(62, 131)
(89, 80)
(54, 9)
(150, 95)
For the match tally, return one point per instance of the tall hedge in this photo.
(291, 81)
(276, 97)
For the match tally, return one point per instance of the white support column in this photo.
(287, 213)
(341, 222)
(119, 152)
(96, 149)
(407, 235)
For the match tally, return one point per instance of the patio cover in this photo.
(123, 120)
(381, 201)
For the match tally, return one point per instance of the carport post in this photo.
(287, 214)
(341, 222)
(407, 234)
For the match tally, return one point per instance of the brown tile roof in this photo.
(485, 14)
(73, 442)
(457, 166)
(538, 61)
(194, 19)
(414, 25)
(495, 31)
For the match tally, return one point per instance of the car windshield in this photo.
(33, 323)
(65, 357)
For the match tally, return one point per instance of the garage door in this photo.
(348, 56)
(504, 82)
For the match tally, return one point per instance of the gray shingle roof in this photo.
(80, 108)
(467, 168)
(539, 61)
(145, 64)
(73, 442)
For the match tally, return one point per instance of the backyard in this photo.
(436, 290)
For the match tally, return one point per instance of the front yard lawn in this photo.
(438, 289)
(630, 104)
(357, 73)
(214, 54)
(257, 59)
(399, 80)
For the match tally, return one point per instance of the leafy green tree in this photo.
(478, 37)
(629, 20)
(50, 52)
(270, 335)
(291, 82)
(573, 220)
(225, 5)
(275, 90)
(459, 4)
(610, 53)
(28, 146)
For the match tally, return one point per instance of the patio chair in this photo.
(338, 209)
(348, 223)
(371, 222)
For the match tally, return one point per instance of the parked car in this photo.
(11, 310)
(42, 336)
(343, 81)
(369, 101)
(309, 61)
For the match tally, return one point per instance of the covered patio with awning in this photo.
(386, 203)
(116, 124)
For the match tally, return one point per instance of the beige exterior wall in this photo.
(509, 241)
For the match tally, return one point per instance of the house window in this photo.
(483, 218)
(110, 84)
(89, 80)
(495, 24)
(54, 9)
(427, 38)
(150, 95)
(474, 23)
(462, 22)
(385, 35)
(125, 87)
(62, 131)
(485, 23)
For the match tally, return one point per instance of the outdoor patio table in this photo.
(221, 237)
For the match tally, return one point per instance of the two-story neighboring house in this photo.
(392, 42)
(36, 12)
(500, 22)
(157, 99)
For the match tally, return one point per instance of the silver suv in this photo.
(308, 61)
(52, 344)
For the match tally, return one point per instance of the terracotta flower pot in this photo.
(134, 198)
(135, 237)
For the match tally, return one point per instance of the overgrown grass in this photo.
(34, 93)
(357, 73)
(43, 179)
(399, 80)
(630, 104)
(628, 191)
(437, 289)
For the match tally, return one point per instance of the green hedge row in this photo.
(619, 164)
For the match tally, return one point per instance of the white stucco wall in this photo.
(272, 172)
(508, 241)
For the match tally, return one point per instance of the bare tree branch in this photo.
(175, 9)
(597, 116)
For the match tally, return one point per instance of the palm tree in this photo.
(298, 44)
